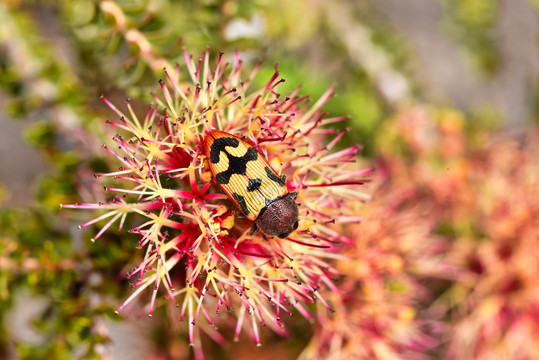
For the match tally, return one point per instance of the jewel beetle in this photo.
(243, 173)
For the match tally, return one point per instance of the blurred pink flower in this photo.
(378, 303)
(497, 292)
(483, 189)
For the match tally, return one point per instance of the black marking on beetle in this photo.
(254, 184)
(240, 199)
(274, 177)
(219, 145)
(236, 165)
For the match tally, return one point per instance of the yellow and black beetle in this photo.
(243, 173)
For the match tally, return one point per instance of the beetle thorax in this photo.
(280, 217)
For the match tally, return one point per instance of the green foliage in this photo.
(38, 259)
(472, 23)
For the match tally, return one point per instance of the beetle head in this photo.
(280, 217)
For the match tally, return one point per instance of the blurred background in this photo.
(442, 95)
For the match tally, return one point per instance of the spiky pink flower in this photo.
(188, 224)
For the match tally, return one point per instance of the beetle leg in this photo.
(254, 229)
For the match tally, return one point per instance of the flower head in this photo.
(197, 251)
